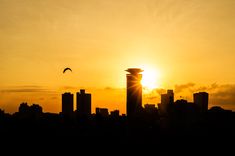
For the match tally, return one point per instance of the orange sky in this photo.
(190, 44)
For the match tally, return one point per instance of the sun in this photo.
(150, 79)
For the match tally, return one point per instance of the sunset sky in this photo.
(185, 45)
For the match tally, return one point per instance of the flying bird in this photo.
(67, 69)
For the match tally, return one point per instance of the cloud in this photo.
(69, 87)
(54, 97)
(152, 97)
(42, 99)
(160, 91)
(221, 95)
(29, 86)
(182, 87)
(113, 89)
(109, 88)
(155, 94)
(24, 89)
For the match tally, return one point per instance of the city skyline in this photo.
(187, 46)
(83, 103)
(134, 106)
(179, 122)
(146, 97)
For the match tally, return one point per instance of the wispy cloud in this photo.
(182, 87)
(54, 97)
(69, 87)
(113, 89)
(109, 88)
(24, 89)
(28, 86)
(222, 95)
(154, 94)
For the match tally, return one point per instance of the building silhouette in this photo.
(23, 108)
(29, 112)
(183, 108)
(150, 108)
(183, 129)
(167, 101)
(115, 113)
(201, 101)
(104, 112)
(67, 104)
(134, 91)
(84, 103)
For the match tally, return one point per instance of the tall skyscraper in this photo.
(201, 101)
(134, 91)
(84, 103)
(67, 104)
(167, 100)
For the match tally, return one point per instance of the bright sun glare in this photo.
(150, 79)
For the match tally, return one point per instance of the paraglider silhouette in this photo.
(67, 69)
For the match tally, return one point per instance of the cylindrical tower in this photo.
(134, 91)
